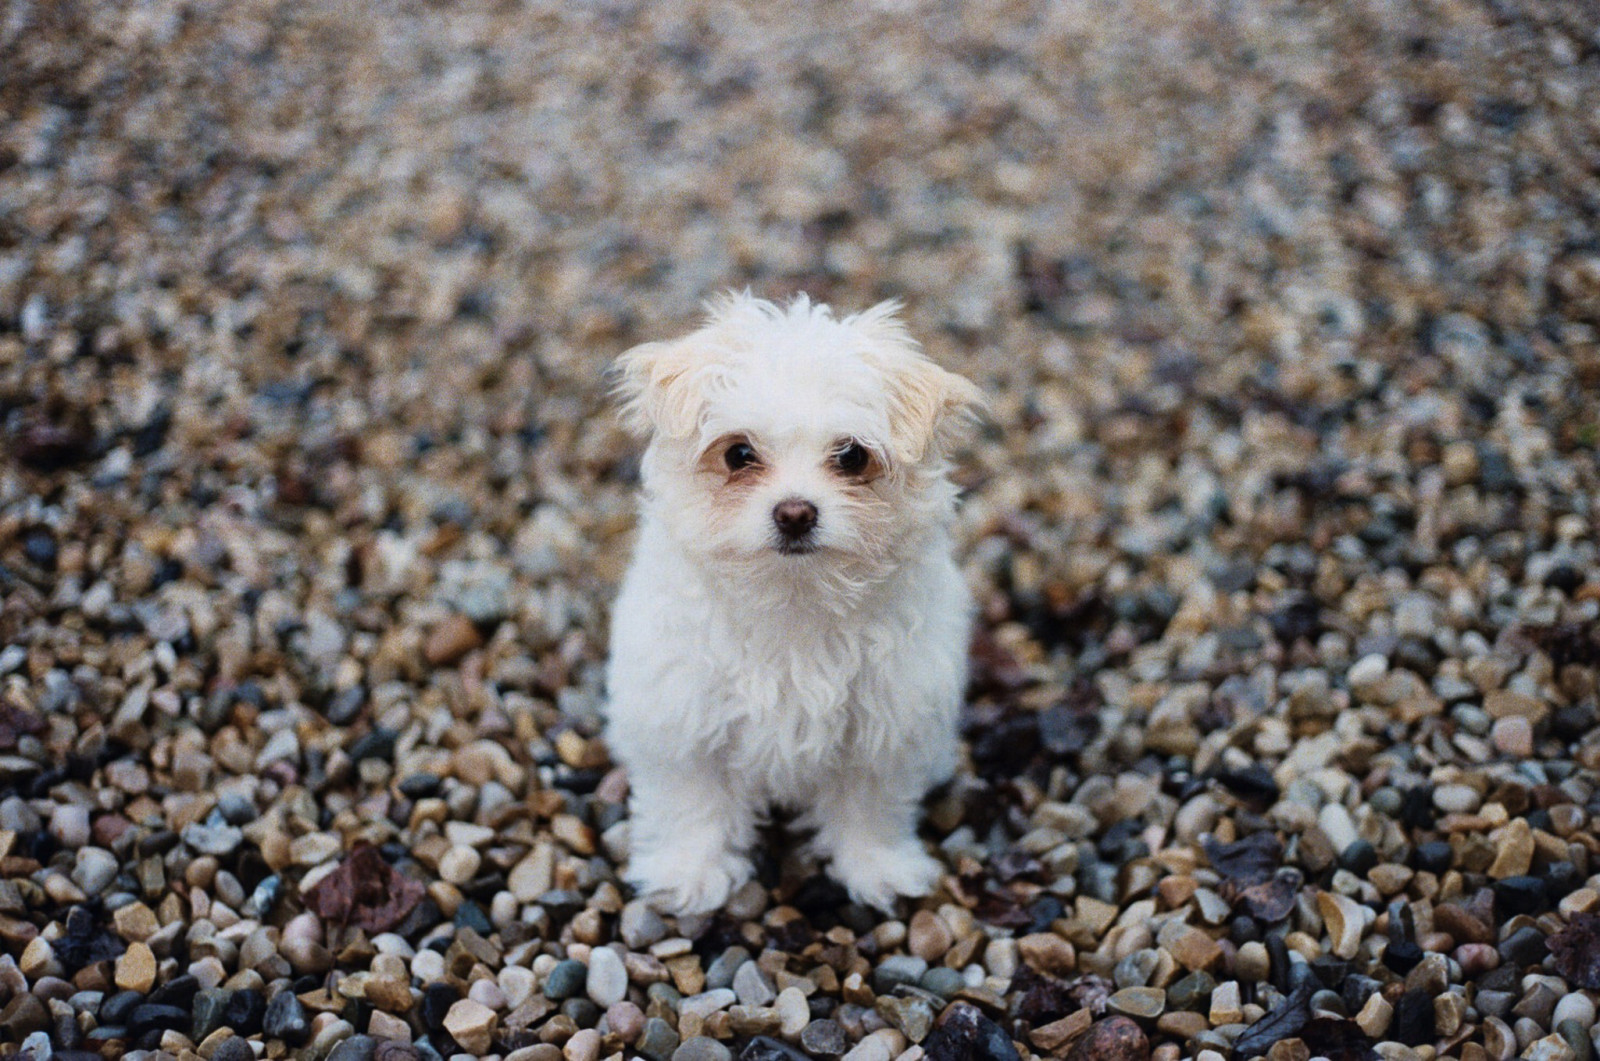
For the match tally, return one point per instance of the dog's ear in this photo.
(657, 388)
(931, 410)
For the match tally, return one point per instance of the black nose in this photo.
(794, 518)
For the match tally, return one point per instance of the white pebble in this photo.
(608, 979)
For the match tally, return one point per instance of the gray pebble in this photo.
(565, 980)
(658, 1041)
(753, 986)
(720, 972)
(640, 926)
(701, 1048)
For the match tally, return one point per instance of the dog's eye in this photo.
(739, 455)
(851, 459)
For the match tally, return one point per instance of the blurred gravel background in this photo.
(1284, 705)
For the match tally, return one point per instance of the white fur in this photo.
(743, 678)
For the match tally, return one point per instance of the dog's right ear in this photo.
(657, 387)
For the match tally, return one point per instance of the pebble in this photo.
(794, 1013)
(928, 937)
(753, 986)
(701, 1048)
(607, 981)
(471, 1024)
(136, 969)
(658, 1041)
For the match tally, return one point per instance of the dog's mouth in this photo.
(797, 548)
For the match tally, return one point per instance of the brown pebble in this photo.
(1056, 1034)
(1048, 953)
(136, 969)
(1112, 1039)
(450, 640)
(928, 937)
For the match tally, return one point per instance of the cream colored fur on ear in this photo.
(931, 409)
(657, 388)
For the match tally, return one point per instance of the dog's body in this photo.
(792, 631)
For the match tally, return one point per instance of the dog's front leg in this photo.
(867, 826)
(689, 838)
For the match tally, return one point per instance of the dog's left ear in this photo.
(931, 410)
(657, 387)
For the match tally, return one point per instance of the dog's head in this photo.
(787, 436)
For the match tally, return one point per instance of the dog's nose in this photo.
(794, 518)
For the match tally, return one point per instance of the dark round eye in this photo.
(739, 455)
(852, 458)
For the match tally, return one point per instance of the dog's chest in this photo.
(792, 704)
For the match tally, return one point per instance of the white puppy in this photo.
(793, 629)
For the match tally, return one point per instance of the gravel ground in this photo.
(1283, 722)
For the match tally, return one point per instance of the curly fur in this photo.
(744, 677)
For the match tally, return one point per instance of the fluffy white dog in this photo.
(793, 629)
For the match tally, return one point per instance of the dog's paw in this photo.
(879, 876)
(687, 884)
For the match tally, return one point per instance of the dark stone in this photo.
(437, 998)
(1526, 946)
(1416, 808)
(563, 904)
(1413, 1018)
(1564, 577)
(210, 1011)
(245, 1011)
(1244, 929)
(393, 1051)
(1355, 991)
(419, 786)
(376, 743)
(356, 1048)
(565, 980)
(1331, 971)
(470, 915)
(965, 1034)
(39, 546)
(821, 1038)
(1434, 857)
(1254, 782)
(1359, 857)
(152, 1017)
(346, 707)
(1521, 895)
(1402, 956)
(1278, 959)
(424, 916)
(583, 1013)
(1192, 992)
(115, 1009)
(1043, 912)
(286, 1019)
(179, 991)
(234, 1049)
(1562, 879)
